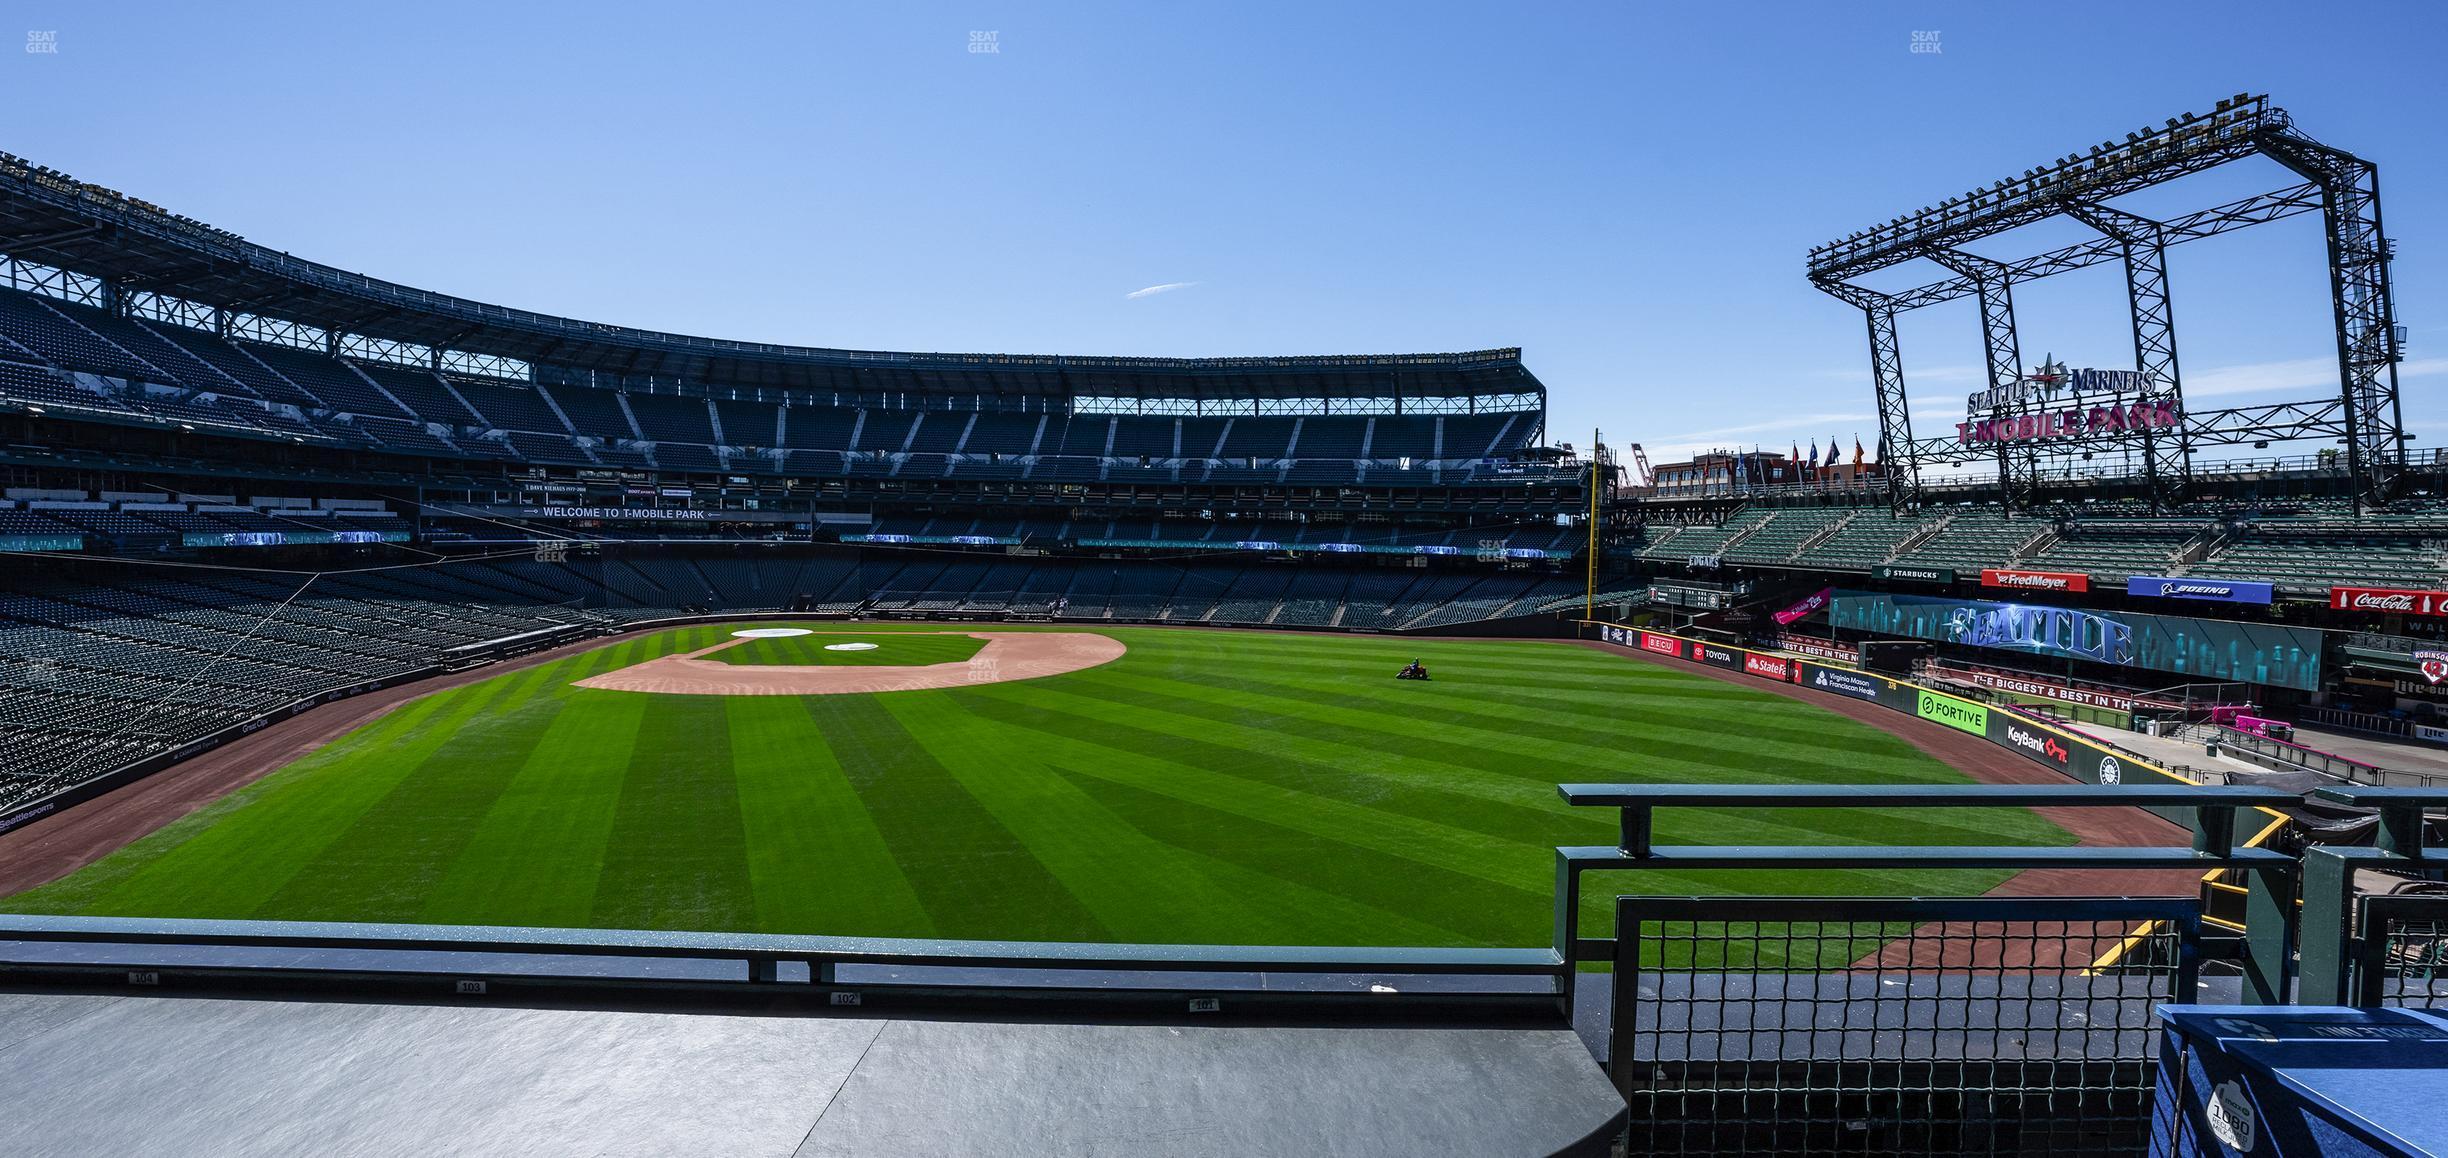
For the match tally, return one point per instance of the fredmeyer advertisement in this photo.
(2203, 649)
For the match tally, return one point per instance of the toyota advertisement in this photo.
(2199, 649)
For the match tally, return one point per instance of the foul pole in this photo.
(1589, 588)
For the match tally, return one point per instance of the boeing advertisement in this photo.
(2199, 649)
(2213, 590)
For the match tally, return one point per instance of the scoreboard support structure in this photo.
(2363, 416)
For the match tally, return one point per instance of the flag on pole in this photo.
(1831, 458)
(1857, 452)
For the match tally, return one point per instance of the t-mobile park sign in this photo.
(2073, 423)
(2053, 400)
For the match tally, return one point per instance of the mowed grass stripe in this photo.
(1228, 741)
(537, 855)
(399, 847)
(969, 871)
(1523, 768)
(1690, 723)
(816, 860)
(1119, 755)
(677, 858)
(1140, 888)
(232, 861)
(1408, 901)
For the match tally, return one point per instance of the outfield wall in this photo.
(2056, 749)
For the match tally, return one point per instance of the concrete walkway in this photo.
(103, 1074)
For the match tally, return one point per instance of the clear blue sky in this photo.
(1626, 191)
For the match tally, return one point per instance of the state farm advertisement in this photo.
(2065, 581)
(2389, 600)
(1767, 666)
(1661, 644)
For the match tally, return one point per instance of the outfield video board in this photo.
(2199, 649)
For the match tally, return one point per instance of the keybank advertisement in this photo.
(2201, 649)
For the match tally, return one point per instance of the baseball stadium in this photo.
(594, 739)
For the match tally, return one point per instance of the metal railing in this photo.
(2213, 811)
(2285, 756)
(1978, 1025)
(2360, 947)
(2368, 722)
(1743, 1025)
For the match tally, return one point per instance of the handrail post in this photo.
(1638, 826)
(2325, 976)
(1567, 928)
(2269, 933)
(2213, 830)
(2401, 830)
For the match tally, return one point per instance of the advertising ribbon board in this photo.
(2388, 600)
(2052, 581)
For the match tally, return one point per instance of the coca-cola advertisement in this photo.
(2388, 600)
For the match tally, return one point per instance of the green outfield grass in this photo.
(1209, 786)
(892, 649)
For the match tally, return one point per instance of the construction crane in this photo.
(1642, 477)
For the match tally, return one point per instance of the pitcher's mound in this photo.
(1012, 655)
